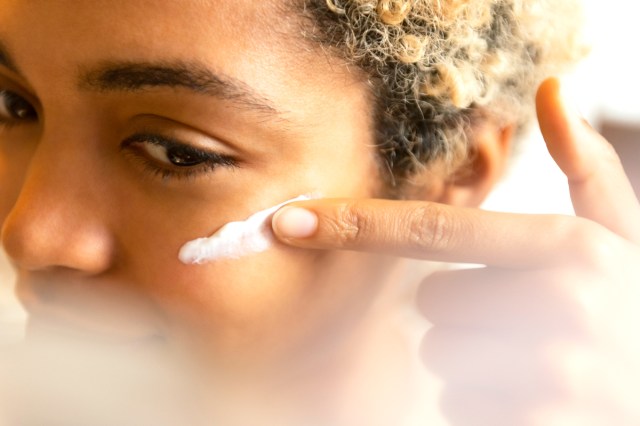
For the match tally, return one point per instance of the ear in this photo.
(490, 151)
(470, 184)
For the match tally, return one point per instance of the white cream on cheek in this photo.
(235, 239)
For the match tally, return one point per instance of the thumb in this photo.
(600, 189)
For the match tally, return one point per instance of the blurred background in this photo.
(604, 88)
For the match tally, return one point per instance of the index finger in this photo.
(438, 232)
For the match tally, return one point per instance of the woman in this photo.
(130, 128)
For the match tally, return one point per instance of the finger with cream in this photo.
(235, 239)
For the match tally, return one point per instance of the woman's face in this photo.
(129, 128)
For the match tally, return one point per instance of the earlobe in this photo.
(472, 182)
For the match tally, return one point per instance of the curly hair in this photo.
(437, 66)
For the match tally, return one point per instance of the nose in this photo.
(57, 222)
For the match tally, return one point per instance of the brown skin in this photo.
(94, 235)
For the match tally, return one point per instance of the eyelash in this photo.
(210, 160)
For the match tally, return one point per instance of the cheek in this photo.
(264, 305)
(235, 306)
(261, 308)
(7, 191)
(14, 163)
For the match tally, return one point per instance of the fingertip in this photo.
(553, 113)
(562, 127)
(294, 223)
(556, 109)
(548, 87)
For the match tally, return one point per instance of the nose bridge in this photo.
(57, 220)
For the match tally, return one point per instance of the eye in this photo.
(179, 156)
(14, 107)
(170, 158)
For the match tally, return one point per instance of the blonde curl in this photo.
(436, 64)
(411, 49)
(393, 12)
(335, 8)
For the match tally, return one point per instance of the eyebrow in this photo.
(5, 59)
(132, 76)
(195, 77)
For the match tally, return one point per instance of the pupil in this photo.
(183, 159)
(19, 108)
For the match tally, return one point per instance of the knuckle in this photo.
(348, 224)
(429, 227)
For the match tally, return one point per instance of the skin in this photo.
(94, 231)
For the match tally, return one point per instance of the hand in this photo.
(548, 332)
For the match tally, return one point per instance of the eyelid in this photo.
(179, 130)
(211, 159)
(169, 142)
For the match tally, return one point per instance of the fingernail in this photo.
(295, 222)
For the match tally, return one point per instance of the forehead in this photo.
(62, 35)
(258, 43)
(163, 18)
